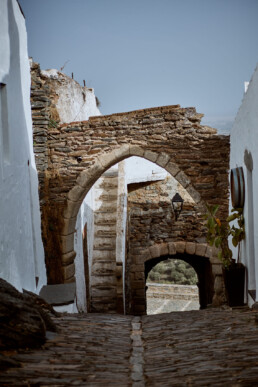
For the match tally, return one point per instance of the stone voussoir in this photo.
(180, 247)
(201, 249)
(171, 248)
(151, 156)
(163, 159)
(190, 248)
(154, 251)
(163, 248)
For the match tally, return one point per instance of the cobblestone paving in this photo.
(196, 348)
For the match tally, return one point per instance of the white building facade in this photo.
(21, 250)
(244, 153)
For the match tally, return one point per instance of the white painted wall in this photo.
(85, 215)
(138, 169)
(21, 249)
(244, 136)
(75, 103)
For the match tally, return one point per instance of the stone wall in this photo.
(173, 292)
(152, 218)
(152, 223)
(41, 111)
(71, 157)
(80, 152)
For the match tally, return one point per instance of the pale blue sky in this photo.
(146, 53)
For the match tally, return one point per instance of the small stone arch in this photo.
(211, 288)
(87, 178)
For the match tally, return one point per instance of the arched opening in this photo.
(201, 266)
(171, 285)
(109, 266)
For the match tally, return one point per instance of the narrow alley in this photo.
(212, 347)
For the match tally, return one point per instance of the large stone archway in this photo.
(202, 258)
(79, 153)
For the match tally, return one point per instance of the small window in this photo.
(4, 123)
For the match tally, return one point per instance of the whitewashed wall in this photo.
(244, 140)
(85, 215)
(75, 103)
(21, 249)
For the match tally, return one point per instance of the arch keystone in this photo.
(163, 248)
(171, 248)
(180, 247)
(190, 248)
(135, 150)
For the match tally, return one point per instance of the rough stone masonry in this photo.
(71, 157)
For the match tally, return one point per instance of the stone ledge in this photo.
(60, 294)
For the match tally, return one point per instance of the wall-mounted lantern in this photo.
(177, 204)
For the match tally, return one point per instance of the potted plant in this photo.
(218, 235)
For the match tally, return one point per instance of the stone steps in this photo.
(103, 273)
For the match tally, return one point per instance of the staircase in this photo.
(104, 271)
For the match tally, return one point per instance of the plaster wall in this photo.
(138, 169)
(85, 216)
(21, 250)
(243, 140)
(74, 102)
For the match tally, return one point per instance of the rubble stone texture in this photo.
(71, 157)
(212, 347)
(23, 320)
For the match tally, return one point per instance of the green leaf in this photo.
(218, 242)
(220, 255)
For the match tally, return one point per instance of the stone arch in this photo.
(79, 152)
(211, 288)
(87, 178)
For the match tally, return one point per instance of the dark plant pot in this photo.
(234, 279)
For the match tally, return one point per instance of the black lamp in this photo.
(177, 204)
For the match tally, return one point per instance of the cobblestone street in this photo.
(194, 348)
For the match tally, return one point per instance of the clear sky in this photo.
(146, 53)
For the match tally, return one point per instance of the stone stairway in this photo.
(104, 272)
